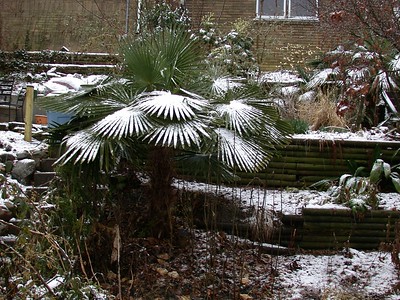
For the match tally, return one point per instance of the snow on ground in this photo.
(300, 276)
(353, 272)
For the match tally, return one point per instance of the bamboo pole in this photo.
(28, 113)
(348, 212)
(319, 246)
(352, 220)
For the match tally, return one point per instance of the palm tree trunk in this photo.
(162, 196)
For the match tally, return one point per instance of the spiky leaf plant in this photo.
(235, 128)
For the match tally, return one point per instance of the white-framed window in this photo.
(287, 9)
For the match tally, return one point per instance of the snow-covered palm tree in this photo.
(151, 107)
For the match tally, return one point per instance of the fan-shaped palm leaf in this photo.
(322, 77)
(245, 154)
(84, 147)
(170, 106)
(125, 122)
(240, 117)
(93, 101)
(165, 60)
(186, 134)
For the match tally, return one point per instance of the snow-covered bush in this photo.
(230, 51)
(365, 82)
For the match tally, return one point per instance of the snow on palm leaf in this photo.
(321, 77)
(129, 121)
(179, 135)
(222, 84)
(244, 154)
(384, 82)
(357, 75)
(81, 147)
(240, 117)
(167, 105)
(395, 63)
(84, 147)
(179, 121)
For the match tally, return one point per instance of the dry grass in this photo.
(321, 112)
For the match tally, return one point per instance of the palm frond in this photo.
(169, 106)
(321, 78)
(129, 121)
(186, 134)
(240, 117)
(84, 147)
(165, 60)
(144, 66)
(244, 154)
(90, 101)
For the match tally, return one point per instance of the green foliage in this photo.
(230, 51)
(299, 126)
(152, 113)
(162, 16)
(360, 192)
(165, 60)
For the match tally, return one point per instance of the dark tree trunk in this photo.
(162, 196)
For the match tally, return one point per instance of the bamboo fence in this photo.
(337, 228)
(304, 162)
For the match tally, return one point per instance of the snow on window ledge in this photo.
(286, 19)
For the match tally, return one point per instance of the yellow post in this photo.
(28, 113)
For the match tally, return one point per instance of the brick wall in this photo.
(279, 44)
(224, 12)
(96, 25)
(81, 25)
(286, 44)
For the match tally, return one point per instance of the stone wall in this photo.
(97, 25)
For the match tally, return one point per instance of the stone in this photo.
(23, 154)
(5, 214)
(23, 169)
(7, 156)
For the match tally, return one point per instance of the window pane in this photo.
(272, 7)
(302, 8)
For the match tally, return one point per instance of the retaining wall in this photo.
(304, 162)
(337, 228)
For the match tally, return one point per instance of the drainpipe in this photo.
(127, 17)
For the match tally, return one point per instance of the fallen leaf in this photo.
(163, 256)
(245, 297)
(173, 274)
(162, 271)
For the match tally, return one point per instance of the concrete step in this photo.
(46, 164)
(42, 179)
